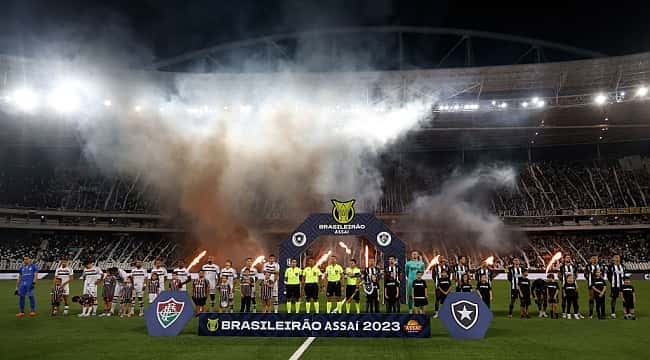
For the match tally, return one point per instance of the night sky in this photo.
(164, 28)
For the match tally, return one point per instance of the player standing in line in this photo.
(108, 293)
(182, 274)
(465, 283)
(252, 275)
(310, 277)
(460, 269)
(66, 274)
(442, 288)
(615, 274)
(200, 289)
(571, 297)
(396, 274)
(121, 277)
(524, 294)
(629, 299)
(25, 283)
(139, 276)
(484, 289)
(292, 285)
(411, 269)
(225, 295)
(153, 287)
(437, 274)
(211, 271)
(274, 269)
(91, 276)
(590, 275)
(266, 292)
(229, 272)
(161, 274)
(515, 272)
(391, 293)
(371, 289)
(567, 268)
(484, 270)
(334, 275)
(552, 289)
(55, 296)
(126, 294)
(599, 287)
(419, 293)
(246, 286)
(352, 285)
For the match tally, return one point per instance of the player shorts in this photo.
(421, 302)
(628, 305)
(213, 286)
(333, 288)
(441, 298)
(66, 290)
(525, 301)
(552, 300)
(615, 293)
(514, 294)
(293, 291)
(311, 291)
(152, 298)
(350, 292)
(199, 301)
(25, 290)
(90, 290)
(138, 290)
(108, 299)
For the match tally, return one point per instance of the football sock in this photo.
(253, 305)
(21, 303)
(32, 303)
(297, 307)
(339, 307)
(591, 307)
(308, 306)
(288, 307)
(347, 308)
(358, 307)
(329, 306)
(510, 309)
(65, 309)
(613, 304)
(316, 307)
(94, 309)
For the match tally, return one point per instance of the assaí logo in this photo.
(413, 327)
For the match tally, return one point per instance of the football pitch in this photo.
(71, 337)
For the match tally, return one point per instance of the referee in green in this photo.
(292, 282)
(311, 276)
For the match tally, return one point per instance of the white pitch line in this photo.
(301, 350)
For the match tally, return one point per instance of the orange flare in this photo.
(258, 260)
(556, 257)
(434, 261)
(197, 259)
(323, 258)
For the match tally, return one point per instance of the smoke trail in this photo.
(460, 213)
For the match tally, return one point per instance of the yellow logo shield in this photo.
(343, 212)
(213, 325)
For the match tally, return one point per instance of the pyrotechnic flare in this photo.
(258, 260)
(434, 261)
(489, 260)
(366, 255)
(323, 258)
(197, 259)
(556, 257)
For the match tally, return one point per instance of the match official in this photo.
(310, 276)
(292, 283)
(333, 274)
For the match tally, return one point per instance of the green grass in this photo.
(114, 338)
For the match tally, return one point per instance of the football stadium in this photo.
(181, 180)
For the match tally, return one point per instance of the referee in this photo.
(334, 274)
(292, 281)
(311, 275)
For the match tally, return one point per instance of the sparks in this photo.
(366, 255)
(556, 257)
(434, 261)
(489, 260)
(258, 260)
(323, 258)
(197, 259)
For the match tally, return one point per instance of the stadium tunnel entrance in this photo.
(363, 225)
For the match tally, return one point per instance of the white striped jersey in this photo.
(615, 274)
(590, 272)
(63, 273)
(121, 276)
(162, 276)
(252, 270)
(484, 271)
(459, 271)
(182, 275)
(138, 275)
(211, 272)
(273, 269)
(438, 271)
(91, 276)
(514, 275)
(230, 273)
(566, 270)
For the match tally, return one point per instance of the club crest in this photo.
(465, 313)
(168, 311)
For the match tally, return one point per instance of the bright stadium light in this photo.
(642, 91)
(535, 100)
(137, 108)
(25, 99)
(524, 104)
(600, 99)
(503, 105)
(108, 103)
(541, 103)
(494, 103)
(64, 99)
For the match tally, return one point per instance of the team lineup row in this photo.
(123, 289)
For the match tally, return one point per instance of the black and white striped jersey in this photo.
(615, 274)
(566, 270)
(590, 272)
(514, 274)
